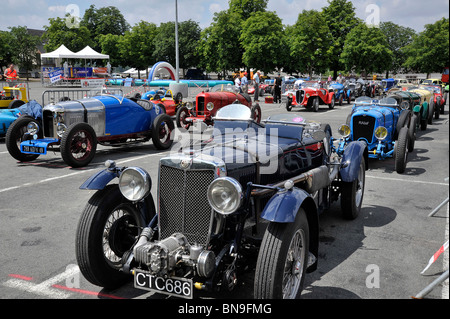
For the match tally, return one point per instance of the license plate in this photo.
(33, 149)
(174, 286)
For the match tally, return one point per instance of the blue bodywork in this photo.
(118, 118)
(6, 118)
(366, 116)
(338, 90)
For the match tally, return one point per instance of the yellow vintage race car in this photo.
(427, 101)
(13, 97)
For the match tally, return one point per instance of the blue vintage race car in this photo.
(388, 129)
(6, 118)
(338, 89)
(76, 127)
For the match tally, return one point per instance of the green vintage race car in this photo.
(416, 104)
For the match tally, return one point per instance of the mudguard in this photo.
(284, 205)
(416, 108)
(353, 154)
(99, 180)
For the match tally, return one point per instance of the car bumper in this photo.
(39, 147)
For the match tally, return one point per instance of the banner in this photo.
(92, 83)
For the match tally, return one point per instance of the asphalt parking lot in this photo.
(380, 255)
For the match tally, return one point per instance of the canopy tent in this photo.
(63, 52)
(59, 53)
(89, 53)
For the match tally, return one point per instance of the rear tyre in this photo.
(412, 133)
(331, 105)
(256, 113)
(162, 130)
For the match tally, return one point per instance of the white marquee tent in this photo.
(63, 52)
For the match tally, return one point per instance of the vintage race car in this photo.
(427, 99)
(13, 97)
(6, 118)
(388, 129)
(338, 89)
(219, 202)
(77, 126)
(208, 103)
(311, 95)
(412, 101)
(165, 100)
(439, 98)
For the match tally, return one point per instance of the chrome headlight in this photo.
(381, 133)
(225, 195)
(134, 183)
(210, 106)
(32, 128)
(344, 130)
(60, 129)
(189, 105)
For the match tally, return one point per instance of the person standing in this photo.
(277, 89)
(244, 83)
(11, 74)
(237, 83)
(256, 81)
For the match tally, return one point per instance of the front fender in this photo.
(284, 205)
(353, 154)
(99, 180)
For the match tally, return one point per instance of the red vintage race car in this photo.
(439, 98)
(208, 103)
(311, 95)
(166, 101)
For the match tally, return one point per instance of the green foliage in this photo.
(341, 18)
(219, 47)
(429, 51)
(397, 38)
(103, 21)
(261, 38)
(6, 48)
(57, 33)
(188, 37)
(366, 50)
(245, 8)
(310, 43)
(25, 53)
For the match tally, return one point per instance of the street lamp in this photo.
(177, 57)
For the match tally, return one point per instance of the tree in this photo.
(429, 51)
(136, 47)
(245, 8)
(261, 38)
(109, 44)
(25, 53)
(397, 38)
(6, 49)
(103, 21)
(219, 47)
(311, 43)
(366, 50)
(58, 32)
(341, 18)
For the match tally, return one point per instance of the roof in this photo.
(86, 53)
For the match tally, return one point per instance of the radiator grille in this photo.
(300, 94)
(363, 127)
(200, 105)
(183, 204)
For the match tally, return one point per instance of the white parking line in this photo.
(45, 288)
(77, 173)
(406, 180)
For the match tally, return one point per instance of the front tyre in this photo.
(15, 135)
(352, 194)
(282, 260)
(108, 228)
(256, 112)
(401, 151)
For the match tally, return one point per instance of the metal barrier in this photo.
(433, 258)
(53, 96)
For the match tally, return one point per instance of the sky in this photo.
(34, 14)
